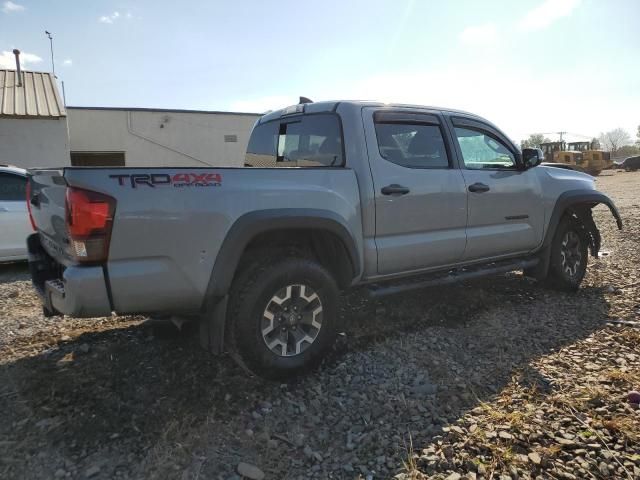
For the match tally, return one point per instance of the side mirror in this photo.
(532, 157)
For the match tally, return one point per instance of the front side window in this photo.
(480, 150)
(412, 145)
(305, 141)
(12, 187)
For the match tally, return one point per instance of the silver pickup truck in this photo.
(332, 195)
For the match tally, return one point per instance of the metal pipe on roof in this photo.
(16, 52)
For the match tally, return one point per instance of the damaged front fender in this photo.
(580, 203)
(591, 232)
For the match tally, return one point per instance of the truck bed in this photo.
(169, 225)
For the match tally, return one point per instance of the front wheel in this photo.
(282, 315)
(569, 254)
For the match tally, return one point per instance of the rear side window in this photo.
(412, 145)
(304, 141)
(12, 187)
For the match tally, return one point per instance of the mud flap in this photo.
(211, 325)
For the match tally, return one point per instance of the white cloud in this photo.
(546, 13)
(113, 17)
(8, 59)
(10, 7)
(67, 62)
(479, 35)
(263, 104)
(515, 99)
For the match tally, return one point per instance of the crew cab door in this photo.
(14, 217)
(505, 211)
(420, 198)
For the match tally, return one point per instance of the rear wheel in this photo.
(569, 254)
(282, 315)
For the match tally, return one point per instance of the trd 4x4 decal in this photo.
(161, 179)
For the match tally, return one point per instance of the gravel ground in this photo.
(498, 378)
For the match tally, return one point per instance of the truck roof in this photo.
(332, 105)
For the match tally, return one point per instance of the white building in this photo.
(36, 130)
(33, 121)
(144, 137)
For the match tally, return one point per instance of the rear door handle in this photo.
(394, 189)
(3, 209)
(479, 188)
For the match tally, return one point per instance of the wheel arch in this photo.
(577, 203)
(252, 225)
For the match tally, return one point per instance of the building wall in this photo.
(162, 138)
(34, 142)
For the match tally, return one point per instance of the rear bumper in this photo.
(77, 291)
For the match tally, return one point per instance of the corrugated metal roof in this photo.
(38, 96)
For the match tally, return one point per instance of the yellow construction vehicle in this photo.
(594, 160)
(579, 155)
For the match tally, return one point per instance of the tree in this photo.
(595, 143)
(534, 140)
(613, 140)
(638, 136)
(628, 151)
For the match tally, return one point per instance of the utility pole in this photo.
(53, 65)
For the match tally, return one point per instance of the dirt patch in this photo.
(490, 378)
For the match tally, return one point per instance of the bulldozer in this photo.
(581, 156)
(594, 159)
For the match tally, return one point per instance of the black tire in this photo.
(252, 299)
(568, 262)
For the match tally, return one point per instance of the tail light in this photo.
(89, 217)
(33, 223)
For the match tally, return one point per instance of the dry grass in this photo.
(409, 463)
(630, 377)
(583, 397)
(623, 425)
(515, 419)
(631, 335)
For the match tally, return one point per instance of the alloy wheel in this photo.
(292, 320)
(571, 254)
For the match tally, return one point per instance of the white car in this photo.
(15, 225)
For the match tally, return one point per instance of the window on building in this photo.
(97, 159)
(303, 141)
(12, 187)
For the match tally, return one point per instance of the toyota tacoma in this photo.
(332, 195)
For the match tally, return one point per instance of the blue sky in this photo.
(529, 66)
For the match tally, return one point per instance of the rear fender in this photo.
(245, 229)
(248, 226)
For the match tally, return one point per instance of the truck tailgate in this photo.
(47, 204)
(65, 286)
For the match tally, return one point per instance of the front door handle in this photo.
(479, 188)
(394, 189)
(3, 209)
